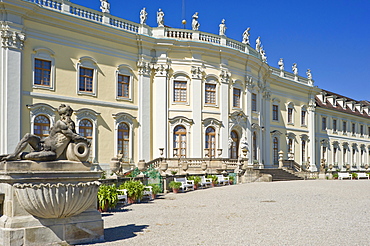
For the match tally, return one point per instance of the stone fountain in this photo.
(49, 195)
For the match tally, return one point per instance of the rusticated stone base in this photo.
(19, 227)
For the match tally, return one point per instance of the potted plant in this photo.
(231, 179)
(335, 175)
(156, 188)
(173, 172)
(135, 190)
(175, 186)
(196, 179)
(107, 197)
(214, 179)
(354, 175)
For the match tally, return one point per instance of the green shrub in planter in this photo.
(156, 188)
(196, 179)
(354, 175)
(175, 185)
(135, 189)
(335, 175)
(107, 196)
(213, 177)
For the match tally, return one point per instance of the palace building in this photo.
(147, 92)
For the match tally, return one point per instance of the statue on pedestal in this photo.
(281, 64)
(258, 44)
(195, 24)
(160, 18)
(105, 6)
(222, 27)
(295, 69)
(246, 35)
(143, 16)
(62, 136)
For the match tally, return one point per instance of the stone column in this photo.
(12, 41)
(311, 129)
(224, 110)
(248, 112)
(160, 110)
(197, 138)
(266, 124)
(144, 147)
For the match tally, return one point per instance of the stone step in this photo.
(280, 174)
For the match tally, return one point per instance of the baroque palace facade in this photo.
(139, 91)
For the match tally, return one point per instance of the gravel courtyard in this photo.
(315, 212)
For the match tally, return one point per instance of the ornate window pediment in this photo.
(238, 117)
(290, 135)
(304, 137)
(212, 122)
(181, 120)
(275, 133)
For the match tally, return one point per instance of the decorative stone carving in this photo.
(309, 76)
(267, 95)
(195, 24)
(222, 27)
(105, 6)
(281, 64)
(196, 72)
(248, 80)
(295, 69)
(246, 35)
(263, 54)
(238, 118)
(56, 200)
(144, 68)
(160, 18)
(55, 145)
(161, 69)
(143, 16)
(225, 76)
(12, 39)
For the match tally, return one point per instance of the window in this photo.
(236, 98)
(86, 79)
(41, 126)
(123, 140)
(254, 144)
(290, 115)
(353, 128)
(368, 131)
(85, 128)
(179, 141)
(234, 145)
(275, 112)
(180, 91)
(275, 147)
(323, 125)
(211, 141)
(344, 126)
(335, 155)
(42, 72)
(290, 145)
(123, 86)
(361, 130)
(323, 153)
(344, 155)
(210, 93)
(303, 117)
(303, 151)
(254, 102)
(334, 125)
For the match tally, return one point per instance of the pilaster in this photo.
(160, 109)
(144, 143)
(196, 103)
(12, 42)
(311, 129)
(224, 109)
(266, 132)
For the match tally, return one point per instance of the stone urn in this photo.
(184, 166)
(164, 166)
(141, 165)
(204, 166)
(115, 164)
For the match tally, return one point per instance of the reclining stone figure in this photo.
(62, 143)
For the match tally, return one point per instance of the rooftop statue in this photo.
(222, 27)
(246, 35)
(258, 44)
(62, 143)
(160, 18)
(263, 54)
(143, 16)
(309, 75)
(281, 64)
(104, 6)
(295, 69)
(195, 24)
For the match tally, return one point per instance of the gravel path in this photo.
(316, 212)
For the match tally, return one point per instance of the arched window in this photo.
(179, 141)
(303, 151)
(211, 141)
(234, 145)
(254, 142)
(335, 150)
(275, 147)
(123, 140)
(41, 126)
(290, 145)
(86, 128)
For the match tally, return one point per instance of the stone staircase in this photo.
(279, 174)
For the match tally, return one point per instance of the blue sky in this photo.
(332, 38)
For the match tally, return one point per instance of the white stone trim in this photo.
(180, 76)
(41, 109)
(91, 63)
(131, 122)
(185, 122)
(48, 55)
(124, 69)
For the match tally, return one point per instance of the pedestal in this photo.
(49, 203)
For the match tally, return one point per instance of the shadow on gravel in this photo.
(122, 232)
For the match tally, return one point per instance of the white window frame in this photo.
(237, 85)
(216, 124)
(303, 109)
(41, 109)
(131, 122)
(91, 115)
(47, 54)
(126, 71)
(214, 81)
(91, 63)
(290, 105)
(184, 78)
(187, 123)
